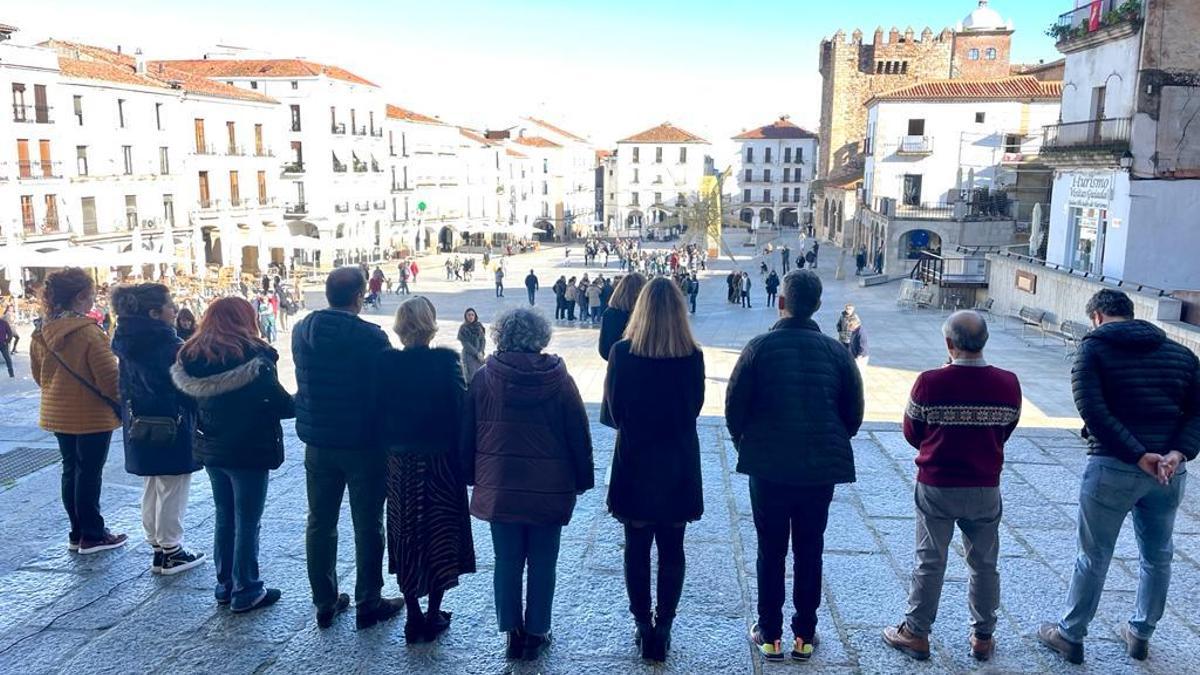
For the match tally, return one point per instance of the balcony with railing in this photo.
(1094, 23)
(35, 170)
(375, 168)
(35, 114)
(980, 204)
(379, 205)
(1103, 135)
(294, 167)
(400, 187)
(914, 145)
(360, 166)
(235, 151)
(344, 207)
(338, 128)
(48, 225)
(339, 167)
(377, 133)
(205, 149)
(264, 152)
(295, 210)
(362, 206)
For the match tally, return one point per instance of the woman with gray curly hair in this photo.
(527, 450)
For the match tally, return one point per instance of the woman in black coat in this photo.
(654, 389)
(614, 320)
(146, 343)
(428, 524)
(230, 373)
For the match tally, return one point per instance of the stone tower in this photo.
(853, 70)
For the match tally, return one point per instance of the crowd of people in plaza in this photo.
(504, 437)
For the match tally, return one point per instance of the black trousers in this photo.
(83, 457)
(800, 512)
(671, 564)
(328, 474)
(7, 358)
(532, 295)
(770, 299)
(745, 298)
(692, 302)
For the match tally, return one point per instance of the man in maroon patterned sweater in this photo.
(959, 416)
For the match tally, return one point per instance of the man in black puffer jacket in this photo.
(335, 353)
(795, 399)
(1139, 396)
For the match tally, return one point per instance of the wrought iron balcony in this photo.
(1110, 134)
(360, 166)
(1094, 18)
(338, 128)
(294, 167)
(36, 114)
(295, 210)
(32, 170)
(344, 207)
(377, 133)
(914, 145)
(338, 167)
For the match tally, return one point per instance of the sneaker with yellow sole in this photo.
(771, 650)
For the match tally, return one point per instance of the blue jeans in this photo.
(516, 547)
(1110, 490)
(239, 496)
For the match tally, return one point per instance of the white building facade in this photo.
(1127, 170)
(656, 171)
(775, 168)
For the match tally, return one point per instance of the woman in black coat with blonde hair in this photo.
(654, 390)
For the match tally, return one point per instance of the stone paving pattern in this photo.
(106, 613)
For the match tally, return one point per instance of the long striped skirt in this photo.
(428, 524)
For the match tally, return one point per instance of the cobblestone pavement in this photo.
(60, 612)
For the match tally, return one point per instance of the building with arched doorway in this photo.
(653, 173)
(775, 168)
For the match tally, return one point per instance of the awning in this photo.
(73, 256)
(288, 241)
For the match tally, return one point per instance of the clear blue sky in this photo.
(605, 70)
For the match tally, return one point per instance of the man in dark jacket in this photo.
(531, 286)
(6, 336)
(795, 399)
(335, 352)
(1139, 396)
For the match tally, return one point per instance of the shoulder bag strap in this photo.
(116, 407)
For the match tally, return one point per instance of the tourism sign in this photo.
(1090, 190)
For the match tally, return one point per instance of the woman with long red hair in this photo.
(231, 374)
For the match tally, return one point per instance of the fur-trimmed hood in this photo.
(219, 383)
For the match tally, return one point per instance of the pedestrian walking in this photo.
(71, 361)
(428, 525)
(860, 261)
(157, 421)
(654, 389)
(852, 334)
(846, 322)
(499, 281)
(733, 283)
(772, 285)
(230, 373)
(473, 338)
(531, 286)
(336, 352)
(793, 441)
(6, 338)
(879, 260)
(958, 418)
(693, 290)
(785, 257)
(1138, 393)
(402, 273)
(745, 290)
(527, 449)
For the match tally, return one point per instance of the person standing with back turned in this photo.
(794, 401)
(1139, 396)
(336, 353)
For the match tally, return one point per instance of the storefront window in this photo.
(1088, 227)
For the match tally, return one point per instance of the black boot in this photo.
(662, 640)
(515, 650)
(643, 637)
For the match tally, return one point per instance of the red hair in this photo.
(227, 332)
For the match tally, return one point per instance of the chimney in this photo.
(139, 62)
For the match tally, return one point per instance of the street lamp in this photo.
(1126, 160)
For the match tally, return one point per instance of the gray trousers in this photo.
(977, 513)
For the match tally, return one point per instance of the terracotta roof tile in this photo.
(266, 68)
(557, 130)
(664, 133)
(475, 137)
(535, 142)
(96, 63)
(1005, 88)
(602, 155)
(513, 153)
(780, 128)
(397, 113)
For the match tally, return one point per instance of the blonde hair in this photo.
(659, 326)
(625, 295)
(416, 322)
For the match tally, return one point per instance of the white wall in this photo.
(800, 174)
(1060, 245)
(673, 177)
(1112, 64)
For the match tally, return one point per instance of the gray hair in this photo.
(967, 330)
(521, 330)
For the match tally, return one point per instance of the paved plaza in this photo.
(106, 613)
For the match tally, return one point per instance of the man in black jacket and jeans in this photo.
(795, 399)
(335, 353)
(1139, 396)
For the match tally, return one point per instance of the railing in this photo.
(235, 151)
(379, 205)
(294, 167)
(1079, 21)
(951, 271)
(338, 167)
(237, 202)
(377, 133)
(295, 209)
(1101, 134)
(360, 166)
(30, 169)
(205, 149)
(1103, 278)
(344, 207)
(264, 152)
(400, 188)
(266, 201)
(914, 145)
(362, 206)
(338, 128)
(375, 167)
(980, 204)
(40, 113)
(296, 126)
(205, 204)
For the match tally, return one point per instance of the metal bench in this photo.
(1031, 317)
(985, 307)
(922, 299)
(1070, 332)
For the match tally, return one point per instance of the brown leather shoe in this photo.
(1049, 635)
(982, 648)
(910, 645)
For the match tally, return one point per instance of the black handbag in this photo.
(151, 430)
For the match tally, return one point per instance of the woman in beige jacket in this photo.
(72, 362)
